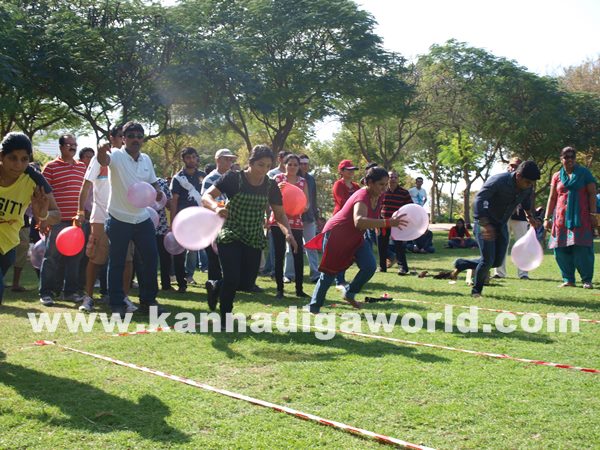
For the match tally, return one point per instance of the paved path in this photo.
(440, 226)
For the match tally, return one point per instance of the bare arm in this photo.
(44, 207)
(550, 207)
(103, 156)
(83, 195)
(209, 201)
(363, 222)
(284, 226)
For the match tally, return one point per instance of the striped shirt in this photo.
(392, 201)
(66, 180)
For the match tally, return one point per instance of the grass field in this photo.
(53, 398)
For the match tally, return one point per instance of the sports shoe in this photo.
(46, 300)
(87, 305)
(525, 277)
(75, 297)
(566, 284)
(190, 280)
(130, 307)
(279, 294)
(287, 280)
(135, 284)
(342, 287)
(145, 308)
(587, 285)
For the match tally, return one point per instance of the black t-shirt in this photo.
(231, 182)
(38, 178)
(196, 180)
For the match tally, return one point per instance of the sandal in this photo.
(353, 303)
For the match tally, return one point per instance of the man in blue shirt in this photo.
(494, 204)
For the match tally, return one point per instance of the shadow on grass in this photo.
(89, 408)
(342, 345)
(16, 311)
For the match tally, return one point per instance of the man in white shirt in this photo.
(96, 178)
(128, 223)
(418, 194)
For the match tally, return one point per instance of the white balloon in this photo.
(196, 227)
(418, 222)
(527, 253)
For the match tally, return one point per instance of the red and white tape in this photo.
(471, 352)
(516, 313)
(284, 409)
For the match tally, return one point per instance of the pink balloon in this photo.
(171, 244)
(418, 222)
(70, 241)
(527, 253)
(196, 227)
(37, 253)
(153, 216)
(141, 194)
(294, 200)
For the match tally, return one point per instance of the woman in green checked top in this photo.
(242, 238)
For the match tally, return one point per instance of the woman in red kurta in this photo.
(345, 186)
(343, 242)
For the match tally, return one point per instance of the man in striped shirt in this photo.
(393, 198)
(65, 176)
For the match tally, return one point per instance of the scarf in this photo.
(573, 185)
(193, 194)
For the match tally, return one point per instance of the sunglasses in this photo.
(134, 136)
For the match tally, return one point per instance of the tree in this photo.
(279, 63)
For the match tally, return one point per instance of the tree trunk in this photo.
(432, 200)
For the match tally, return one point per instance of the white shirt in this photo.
(98, 176)
(419, 196)
(274, 172)
(125, 171)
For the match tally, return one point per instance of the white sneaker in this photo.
(75, 297)
(130, 306)
(46, 300)
(135, 284)
(87, 305)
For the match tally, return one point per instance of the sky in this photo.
(543, 36)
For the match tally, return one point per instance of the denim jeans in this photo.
(309, 232)
(203, 260)
(365, 260)
(191, 262)
(50, 270)
(492, 254)
(6, 261)
(269, 268)
(143, 236)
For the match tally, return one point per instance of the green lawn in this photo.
(53, 398)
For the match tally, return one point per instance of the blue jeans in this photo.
(492, 254)
(50, 273)
(191, 262)
(203, 258)
(6, 261)
(310, 228)
(143, 236)
(269, 268)
(365, 260)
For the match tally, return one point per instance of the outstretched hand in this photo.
(399, 221)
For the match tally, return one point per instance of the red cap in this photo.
(346, 164)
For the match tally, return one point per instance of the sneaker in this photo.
(129, 306)
(403, 272)
(525, 277)
(587, 285)
(287, 280)
(135, 284)
(279, 294)
(342, 287)
(476, 295)
(46, 300)
(566, 284)
(87, 305)
(74, 297)
(302, 294)
(190, 280)
(255, 289)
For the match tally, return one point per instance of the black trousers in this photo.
(280, 244)
(214, 265)
(179, 263)
(382, 244)
(164, 258)
(239, 264)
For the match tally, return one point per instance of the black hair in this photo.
(116, 130)
(209, 168)
(85, 150)
(259, 152)
(375, 174)
(370, 166)
(461, 220)
(63, 138)
(291, 156)
(304, 156)
(419, 178)
(133, 126)
(529, 170)
(188, 151)
(16, 141)
(566, 150)
(283, 153)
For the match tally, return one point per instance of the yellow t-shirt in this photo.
(14, 200)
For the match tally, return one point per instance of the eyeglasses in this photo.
(70, 145)
(134, 136)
